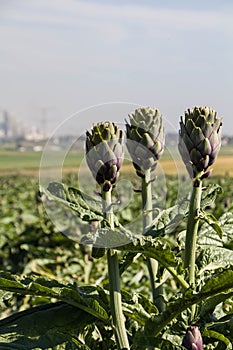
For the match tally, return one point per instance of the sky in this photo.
(60, 57)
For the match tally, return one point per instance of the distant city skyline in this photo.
(62, 56)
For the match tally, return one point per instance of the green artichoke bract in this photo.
(199, 140)
(145, 138)
(104, 153)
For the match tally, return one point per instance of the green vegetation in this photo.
(29, 161)
(44, 261)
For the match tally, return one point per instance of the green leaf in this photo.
(143, 342)
(207, 236)
(168, 219)
(86, 207)
(139, 308)
(211, 221)
(210, 304)
(126, 261)
(136, 313)
(43, 327)
(218, 336)
(105, 237)
(221, 283)
(158, 249)
(52, 289)
(212, 258)
(209, 194)
(8, 282)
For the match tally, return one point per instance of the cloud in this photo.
(75, 29)
(85, 14)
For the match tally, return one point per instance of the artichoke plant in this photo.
(193, 339)
(145, 143)
(104, 153)
(145, 138)
(199, 139)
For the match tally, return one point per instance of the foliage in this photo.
(55, 296)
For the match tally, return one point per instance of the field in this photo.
(55, 295)
(28, 162)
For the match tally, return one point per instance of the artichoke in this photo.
(104, 153)
(145, 138)
(199, 140)
(193, 339)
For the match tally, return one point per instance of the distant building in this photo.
(11, 130)
(34, 134)
(5, 125)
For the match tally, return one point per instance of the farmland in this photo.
(28, 162)
(33, 246)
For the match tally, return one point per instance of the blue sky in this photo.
(60, 56)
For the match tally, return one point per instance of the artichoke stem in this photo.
(192, 230)
(147, 219)
(146, 201)
(114, 280)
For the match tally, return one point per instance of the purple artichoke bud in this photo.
(145, 138)
(199, 139)
(193, 339)
(104, 153)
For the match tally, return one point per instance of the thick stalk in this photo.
(147, 218)
(191, 234)
(192, 229)
(114, 281)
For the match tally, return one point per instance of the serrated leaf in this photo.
(168, 219)
(68, 294)
(139, 309)
(86, 207)
(43, 327)
(38, 289)
(211, 221)
(151, 247)
(147, 304)
(107, 238)
(210, 304)
(95, 305)
(221, 283)
(136, 313)
(212, 258)
(126, 261)
(158, 249)
(8, 282)
(209, 194)
(207, 235)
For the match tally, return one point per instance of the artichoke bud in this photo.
(145, 138)
(193, 339)
(199, 140)
(104, 153)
